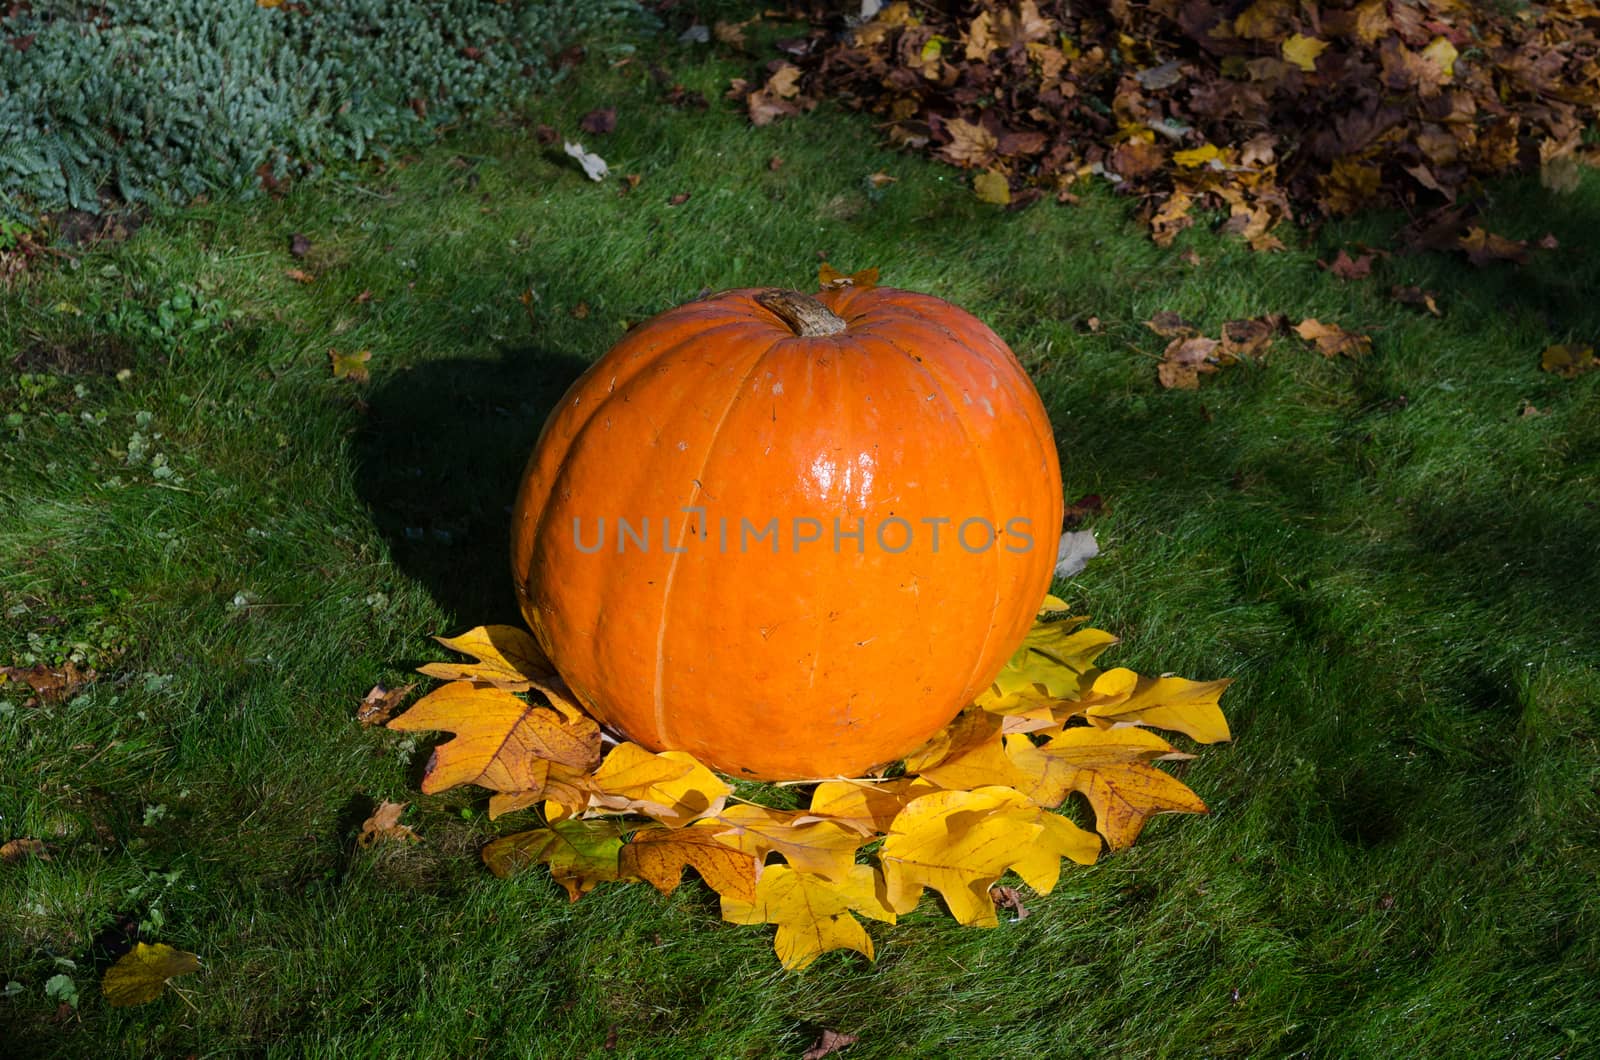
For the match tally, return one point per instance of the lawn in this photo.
(1396, 561)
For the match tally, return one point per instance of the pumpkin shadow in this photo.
(438, 460)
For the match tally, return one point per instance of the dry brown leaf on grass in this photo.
(1332, 340)
(1185, 361)
(20, 849)
(380, 703)
(384, 826)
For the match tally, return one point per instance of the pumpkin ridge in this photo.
(672, 567)
(583, 429)
(988, 489)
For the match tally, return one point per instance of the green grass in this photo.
(1399, 570)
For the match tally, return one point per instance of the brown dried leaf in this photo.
(384, 826)
(1333, 341)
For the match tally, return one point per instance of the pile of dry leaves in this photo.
(976, 801)
(1267, 109)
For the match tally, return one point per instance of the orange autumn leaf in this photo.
(658, 856)
(1110, 768)
(499, 738)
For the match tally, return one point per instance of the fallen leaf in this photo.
(658, 856)
(52, 683)
(826, 848)
(1074, 551)
(1110, 768)
(831, 1041)
(299, 275)
(671, 786)
(1170, 325)
(958, 843)
(17, 849)
(813, 913)
(1347, 268)
(1568, 360)
(830, 277)
(1249, 337)
(991, 187)
(499, 739)
(384, 825)
(594, 167)
(1054, 663)
(679, 199)
(351, 366)
(1302, 51)
(1009, 898)
(508, 658)
(1121, 697)
(1079, 510)
(881, 179)
(580, 311)
(1484, 248)
(599, 121)
(866, 806)
(1416, 296)
(1331, 340)
(579, 854)
(1185, 360)
(380, 703)
(139, 975)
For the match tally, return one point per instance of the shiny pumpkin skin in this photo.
(827, 658)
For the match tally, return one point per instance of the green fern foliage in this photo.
(162, 100)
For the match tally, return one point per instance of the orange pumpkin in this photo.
(793, 536)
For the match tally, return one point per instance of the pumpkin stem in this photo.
(808, 317)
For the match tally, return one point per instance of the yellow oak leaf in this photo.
(508, 658)
(141, 973)
(673, 787)
(1302, 51)
(1175, 703)
(658, 855)
(826, 848)
(960, 842)
(867, 807)
(580, 854)
(813, 913)
(1053, 604)
(498, 738)
(1111, 769)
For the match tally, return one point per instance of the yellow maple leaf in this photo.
(960, 842)
(1111, 769)
(508, 658)
(580, 854)
(813, 913)
(1568, 360)
(140, 974)
(1121, 696)
(499, 738)
(826, 848)
(673, 786)
(1302, 51)
(658, 855)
